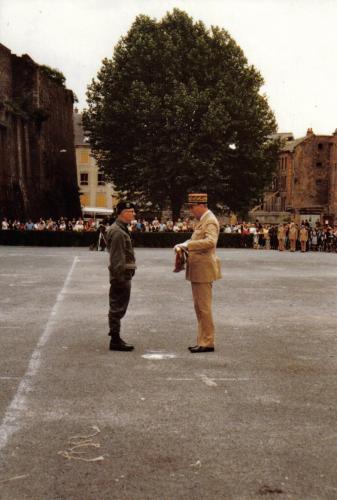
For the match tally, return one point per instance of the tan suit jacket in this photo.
(281, 233)
(304, 234)
(203, 266)
(293, 233)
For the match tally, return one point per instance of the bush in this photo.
(48, 238)
(86, 239)
(168, 240)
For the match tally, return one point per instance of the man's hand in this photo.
(180, 247)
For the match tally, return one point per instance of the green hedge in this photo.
(168, 240)
(48, 238)
(149, 240)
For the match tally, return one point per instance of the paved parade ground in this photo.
(255, 419)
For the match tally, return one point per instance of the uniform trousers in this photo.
(202, 298)
(293, 245)
(119, 297)
(281, 244)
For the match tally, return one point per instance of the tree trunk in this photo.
(176, 204)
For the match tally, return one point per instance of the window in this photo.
(319, 164)
(100, 179)
(84, 156)
(101, 200)
(320, 146)
(84, 179)
(84, 200)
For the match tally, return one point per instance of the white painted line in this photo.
(10, 423)
(14, 275)
(180, 379)
(208, 380)
(158, 356)
(233, 379)
(24, 284)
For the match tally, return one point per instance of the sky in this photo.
(293, 43)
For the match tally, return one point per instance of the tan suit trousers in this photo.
(202, 297)
(292, 245)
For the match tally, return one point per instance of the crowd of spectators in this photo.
(63, 224)
(304, 236)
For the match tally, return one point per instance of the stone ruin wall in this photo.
(313, 174)
(36, 124)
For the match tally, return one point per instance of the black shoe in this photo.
(120, 346)
(192, 347)
(200, 348)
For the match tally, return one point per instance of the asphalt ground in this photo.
(255, 419)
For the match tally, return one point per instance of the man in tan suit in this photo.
(203, 267)
(281, 236)
(304, 236)
(293, 235)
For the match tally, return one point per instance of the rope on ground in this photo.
(76, 442)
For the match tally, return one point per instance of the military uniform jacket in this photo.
(203, 266)
(293, 233)
(122, 263)
(304, 234)
(281, 233)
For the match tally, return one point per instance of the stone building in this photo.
(96, 195)
(37, 154)
(305, 183)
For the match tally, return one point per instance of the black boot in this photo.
(118, 344)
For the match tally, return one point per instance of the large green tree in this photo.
(179, 108)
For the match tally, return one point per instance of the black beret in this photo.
(124, 205)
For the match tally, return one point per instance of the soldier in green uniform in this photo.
(122, 268)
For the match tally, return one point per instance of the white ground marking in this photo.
(158, 355)
(14, 275)
(208, 381)
(180, 379)
(17, 407)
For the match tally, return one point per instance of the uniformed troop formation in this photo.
(294, 237)
(202, 268)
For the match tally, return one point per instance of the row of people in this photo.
(292, 236)
(63, 224)
(267, 236)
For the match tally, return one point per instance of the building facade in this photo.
(37, 154)
(95, 194)
(305, 183)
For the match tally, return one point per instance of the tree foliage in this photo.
(54, 74)
(179, 108)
